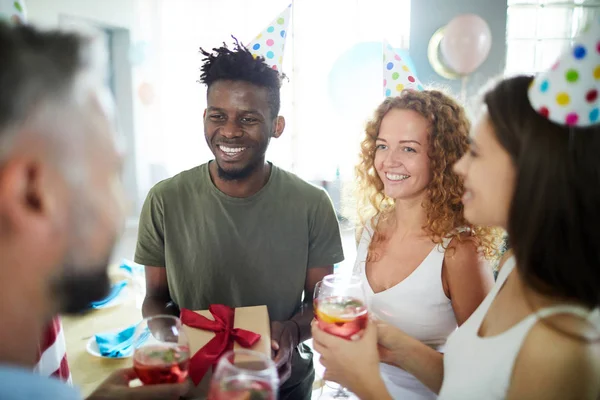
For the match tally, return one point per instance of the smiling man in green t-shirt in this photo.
(238, 230)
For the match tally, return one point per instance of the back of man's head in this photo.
(240, 65)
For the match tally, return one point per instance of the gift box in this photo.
(211, 333)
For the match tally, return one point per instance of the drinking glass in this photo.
(340, 310)
(162, 352)
(242, 375)
(316, 294)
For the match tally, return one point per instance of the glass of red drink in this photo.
(162, 352)
(244, 375)
(340, 310)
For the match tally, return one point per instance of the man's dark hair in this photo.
(35, 67)
(240, 65)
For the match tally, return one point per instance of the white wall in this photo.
(117, 13)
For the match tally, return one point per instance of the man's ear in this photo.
(204, 114)
(279, 127)
(22, 196)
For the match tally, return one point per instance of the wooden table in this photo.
(87, 370)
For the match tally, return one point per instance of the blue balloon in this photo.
(356, 79)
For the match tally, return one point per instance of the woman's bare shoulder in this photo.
(560, 359)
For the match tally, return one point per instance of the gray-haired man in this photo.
(60, 206)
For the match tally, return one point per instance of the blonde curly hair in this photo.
(448, 141)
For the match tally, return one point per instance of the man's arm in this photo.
(150, 251)
(324, 249)
(158, 300)
(303, 318)
(286, 335)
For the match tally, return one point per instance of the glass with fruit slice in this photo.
(244, 375)
(340, 310)
(342, 316)
(162, 353)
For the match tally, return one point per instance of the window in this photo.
(537, 31)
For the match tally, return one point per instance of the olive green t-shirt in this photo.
(240, 252)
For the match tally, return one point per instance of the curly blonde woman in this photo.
(423, 265)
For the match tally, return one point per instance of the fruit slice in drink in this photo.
(342, 316)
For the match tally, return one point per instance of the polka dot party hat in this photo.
(397, 75)
(567, 94)
(270, 43)
(13, 11)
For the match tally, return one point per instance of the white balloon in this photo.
(466, 43)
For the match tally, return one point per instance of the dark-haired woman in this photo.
(537, 334)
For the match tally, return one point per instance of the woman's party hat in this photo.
(397, 75)
(270, 42)
(567, 94)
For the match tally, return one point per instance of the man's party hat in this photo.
(13, 11)
(270, 42)
(397, 75)
(567, 94)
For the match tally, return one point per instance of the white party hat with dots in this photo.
(13, 11)
(567, 94)
(270, 43)
(397, 75)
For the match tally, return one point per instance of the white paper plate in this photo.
(92, 348)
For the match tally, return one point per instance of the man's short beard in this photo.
(76, 290)
(239, 174)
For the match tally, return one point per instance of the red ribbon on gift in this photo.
(225, 335)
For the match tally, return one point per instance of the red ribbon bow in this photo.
(225, 335)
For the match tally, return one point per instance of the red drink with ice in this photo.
(156, 364)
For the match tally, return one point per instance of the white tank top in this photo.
(481, 367)
(418, 306)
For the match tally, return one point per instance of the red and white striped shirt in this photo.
(52, 353)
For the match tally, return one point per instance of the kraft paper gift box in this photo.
(250, 319)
